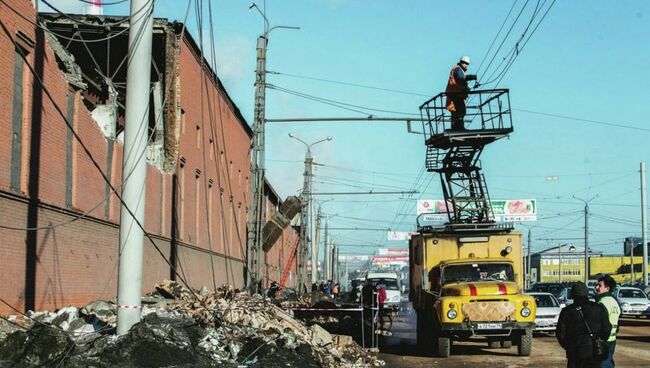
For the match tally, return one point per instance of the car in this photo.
(554, 288)
(548, 311)
(566, 297)
(391, 283)
(633, 301)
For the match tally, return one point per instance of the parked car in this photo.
(633, 301)
(566, 297)
(391, 283)
(548, 311)
(554, 288)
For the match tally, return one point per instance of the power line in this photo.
(340, 104)
(348, 84)
(598, 122)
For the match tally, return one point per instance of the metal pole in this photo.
(586, 243)
(528, 260)
(326, 252)
(315, 245)
(630, 242)
(644, 225)
(304, 220)
(134, 165)
(257, 171)
(560, 265)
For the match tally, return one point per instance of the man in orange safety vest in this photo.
(457, 91)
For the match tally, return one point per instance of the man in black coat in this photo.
(572, 333)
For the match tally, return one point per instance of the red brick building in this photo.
(60, 147)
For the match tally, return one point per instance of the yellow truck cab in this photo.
(466, 287)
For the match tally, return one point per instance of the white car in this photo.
(391, 283)
(548, 311)
(633, 301)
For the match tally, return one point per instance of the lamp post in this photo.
(528, 265)
(255, 213)
(586, 202)
(306, 215)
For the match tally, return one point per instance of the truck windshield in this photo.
(478, 272)
(390, 284)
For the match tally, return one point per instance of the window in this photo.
(17, 121)
(197, 205)
(69, 157)
(478, 272)
(181, 191)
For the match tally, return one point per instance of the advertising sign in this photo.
(508, 210)
(393, 251)
(390, 260)
(399, 235)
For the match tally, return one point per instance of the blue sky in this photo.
(587, 59)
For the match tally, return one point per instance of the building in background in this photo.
(546, 265)
(61, 161)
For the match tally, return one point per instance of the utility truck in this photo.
(469, 287)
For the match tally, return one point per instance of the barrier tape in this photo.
(130, 306)
(329, 310)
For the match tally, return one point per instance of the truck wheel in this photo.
(506, 344)
(525, 345)
(493, 344)
(444, 347)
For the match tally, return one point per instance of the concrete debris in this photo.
(189, 328)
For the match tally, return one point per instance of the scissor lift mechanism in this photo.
(455, 154)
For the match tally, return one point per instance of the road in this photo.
(400, 349)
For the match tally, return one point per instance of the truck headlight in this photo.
(525, 312)
(396, 298)
(451, 314)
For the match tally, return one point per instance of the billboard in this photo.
(399, 235)
(508, 210)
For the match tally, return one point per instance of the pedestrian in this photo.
(336, 289)
(457, 91)
(574, 325)
(314, 287)
(328, 288)
(604, 288)
(273, 289)
(381, 296)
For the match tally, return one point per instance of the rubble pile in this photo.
(335, 315)
(179, 328)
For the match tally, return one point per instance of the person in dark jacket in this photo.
(572, 333)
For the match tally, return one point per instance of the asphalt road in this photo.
(400, 349)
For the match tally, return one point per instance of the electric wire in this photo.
(339, 104)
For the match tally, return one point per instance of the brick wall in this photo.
(72, 257)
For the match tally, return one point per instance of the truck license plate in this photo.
(489, 326)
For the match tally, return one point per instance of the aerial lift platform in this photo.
(455, 155)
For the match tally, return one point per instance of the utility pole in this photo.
(326, 251)
(134, 166)
(255, 212)
(527, 261)
(316, 247)
(560, 264)
(644, 225)
(586, 202)
(304, 220)
(630, 243)
(305, 238)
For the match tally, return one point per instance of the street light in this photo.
(586, 202)
(307, 216)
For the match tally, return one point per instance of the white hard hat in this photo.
(465, 59)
